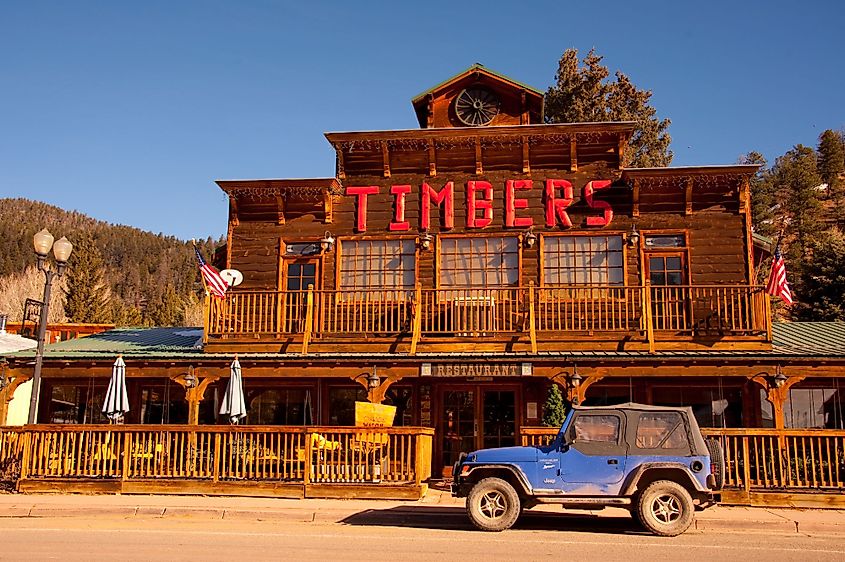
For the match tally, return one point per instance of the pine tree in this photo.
(832, 162)
(822, 283)
(554, 410)
(763, 199)
(796, 182)
(166, 310)
(583, 94)
(87, 295)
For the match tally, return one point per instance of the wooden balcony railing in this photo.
(687, 310)
(307, 455)
(764, 460)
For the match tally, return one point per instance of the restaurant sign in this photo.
(476, 370)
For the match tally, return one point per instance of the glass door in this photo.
(499, 422)
(458, 423)
(667, 274)
(299, 274)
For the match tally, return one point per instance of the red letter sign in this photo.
(591, 188)
(399, 222)
(556, 208)
(485, 204)
(512, 203)
(445, 197)
(361, 193)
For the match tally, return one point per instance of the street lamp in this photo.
(43, 241)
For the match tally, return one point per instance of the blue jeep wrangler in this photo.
(651, 460)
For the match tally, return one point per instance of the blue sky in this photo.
(129, 111)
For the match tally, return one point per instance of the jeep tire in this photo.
(493, 505)
(665, 508)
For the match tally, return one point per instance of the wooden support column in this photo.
(328, 207)
(309, 319)
(648, 317)
(573, 154)
(432, 159)
(526, 162)
(688, 197)
(8, 393)
(620, 149)
(280, 210)
(479, 168)
(635, 202)
(195, 395)
(745, 211)
(777, 394)
(417, 319)
(532, 321)
(341, 170)
(385, 157)
(376, 395)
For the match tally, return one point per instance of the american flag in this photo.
(215, 284)
(778, 285)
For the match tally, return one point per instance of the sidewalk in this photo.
(437, 504)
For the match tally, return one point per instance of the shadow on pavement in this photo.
(455, 518)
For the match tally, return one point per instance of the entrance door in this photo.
(596, 456)
(667, 274)
(299, 274)
(475, 417)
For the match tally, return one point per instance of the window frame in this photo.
(438, 264)
(593, 234)
(339, 261)
(685, 250)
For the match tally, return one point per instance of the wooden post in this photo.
(309, 319)
(417, 320)
(26, 453)
(127, 443)
(767, 304)
(777, 395)
(746, 468)
(206, 317)
(309, 451)
(649, 321)
(532, 320)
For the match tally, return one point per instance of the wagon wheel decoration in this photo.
(476, 106)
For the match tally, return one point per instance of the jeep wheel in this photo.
(493, 505)
(665, 508)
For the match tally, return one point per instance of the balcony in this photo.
(496, 319)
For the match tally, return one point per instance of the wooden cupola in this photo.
(478, 97)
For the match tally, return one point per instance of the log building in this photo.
(458, 270)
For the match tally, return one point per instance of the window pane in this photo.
(583, 260)
(597, 429)
(479, 262)
(660, 431)
(377, 264)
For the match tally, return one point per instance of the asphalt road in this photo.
(379, 535)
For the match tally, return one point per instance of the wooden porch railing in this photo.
(307, 455)
(687, 310)
(764, 460)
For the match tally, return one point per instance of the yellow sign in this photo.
(374, 415)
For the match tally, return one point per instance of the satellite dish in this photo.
(232, 276)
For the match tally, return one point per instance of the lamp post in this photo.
(62, 248)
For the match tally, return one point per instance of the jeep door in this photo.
(592, 460)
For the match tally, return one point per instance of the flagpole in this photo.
(202, 277)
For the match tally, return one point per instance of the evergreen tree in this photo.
(87, 295)
(554, 410)
(168, 309)
(583, 94)
(763, 199)
(822, 283)
(796, 182)
(832, 162)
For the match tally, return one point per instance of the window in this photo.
(163, 404)
(661, 430)
(342, 404)
(717, 406)
(77, 404)
(377, 264)
(822, 407)
(479, 262)
(664, 241)
(291, 406)
(596, 429)
(583, 260)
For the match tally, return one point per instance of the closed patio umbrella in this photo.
(116, 403)
(234, 404)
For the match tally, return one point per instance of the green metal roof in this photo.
(792, 340)
(473, 68)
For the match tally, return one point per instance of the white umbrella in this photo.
(116, 403)
(234, 404)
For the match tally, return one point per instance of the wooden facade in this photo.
(458, 272)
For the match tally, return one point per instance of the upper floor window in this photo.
(583, 260)
(491, 261)
(377, 264)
